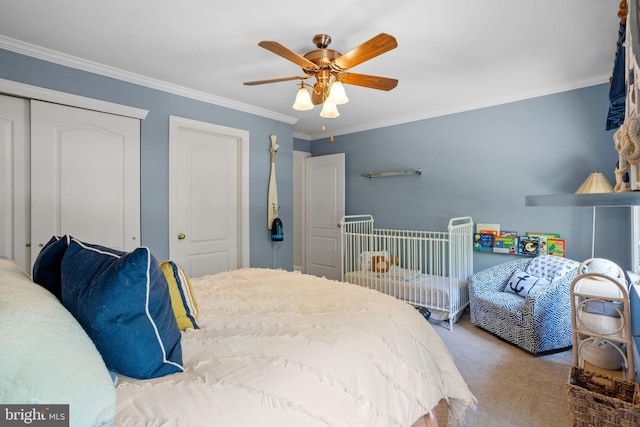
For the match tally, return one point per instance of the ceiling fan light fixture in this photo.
(330, 70)
(329, 110)
(337, 94)
(303, 99)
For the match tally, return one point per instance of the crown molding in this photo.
(23, 90)
(59, 58)
(430, 114)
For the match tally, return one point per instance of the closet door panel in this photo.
(14, 180)
(85, 176)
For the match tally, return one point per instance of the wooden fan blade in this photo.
(373, 82)
(287, 53)
(316, 95)
(370, 49)
(281, 79)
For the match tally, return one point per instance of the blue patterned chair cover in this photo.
(539, 322)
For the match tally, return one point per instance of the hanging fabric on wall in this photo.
(617, 91)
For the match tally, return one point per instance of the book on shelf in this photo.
(543, 247)
(483, 242)
(506, 244)
(485, 228)
(529, 245)
(554, 235)
(557, 247)
(506, 233)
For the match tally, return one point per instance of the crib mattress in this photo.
(427, 290)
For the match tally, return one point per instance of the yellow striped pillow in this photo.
(183, 301)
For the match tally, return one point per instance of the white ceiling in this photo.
(451, 56)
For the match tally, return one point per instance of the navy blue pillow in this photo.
(47, 269)
(122, 300)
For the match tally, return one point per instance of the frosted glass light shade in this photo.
(329, 110)
(303, 100)
(337, 95)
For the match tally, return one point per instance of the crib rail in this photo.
(424, 268)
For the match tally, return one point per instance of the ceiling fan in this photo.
(329, 67)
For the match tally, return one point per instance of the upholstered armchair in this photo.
(525, 302)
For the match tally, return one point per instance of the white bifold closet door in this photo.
(15, 213)
(85, 176)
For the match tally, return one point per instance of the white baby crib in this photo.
(424, 268)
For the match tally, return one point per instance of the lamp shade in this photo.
(329, 110)
(337, 95)
(303, 100)
(596, 182)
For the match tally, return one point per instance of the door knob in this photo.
(181, 236)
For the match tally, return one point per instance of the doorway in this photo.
(319, 207)
(208, 196)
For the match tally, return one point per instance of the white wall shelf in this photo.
(417, 172)
(626, 199)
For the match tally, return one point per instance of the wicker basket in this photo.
(600, 400)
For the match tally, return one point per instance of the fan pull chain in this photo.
(331, 138)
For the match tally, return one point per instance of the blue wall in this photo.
(300, 144)
(155, 149)
(482, 163)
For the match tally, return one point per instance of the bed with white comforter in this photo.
(274, 348)
(277, 348)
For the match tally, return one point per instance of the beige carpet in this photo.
(513, 387)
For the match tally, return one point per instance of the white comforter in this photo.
(284, 349)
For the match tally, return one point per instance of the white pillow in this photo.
(550, 267)
(603, 266)
(521, 283)
(46, 357)
(365, 258)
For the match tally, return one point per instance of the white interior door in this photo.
(207, 214)
(324, 210)
(14, 181)
(85, 176)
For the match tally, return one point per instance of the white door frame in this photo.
(299, 203)
(175, 122)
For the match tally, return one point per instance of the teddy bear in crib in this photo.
(379, 264)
